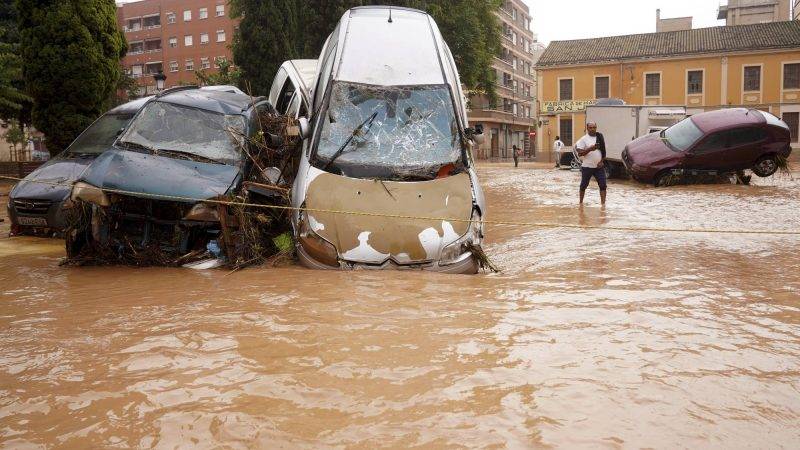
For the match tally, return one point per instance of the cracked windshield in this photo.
(170, 128)
(402, 131)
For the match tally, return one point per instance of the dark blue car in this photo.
(185, 145)
(35, 204)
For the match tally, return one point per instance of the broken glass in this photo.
(414, 131)
(209, 135)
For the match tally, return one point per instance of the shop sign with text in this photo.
(567, 106)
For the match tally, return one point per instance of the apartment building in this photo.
(176, 37)
(511, 119)
(747, 12)
(754, 66)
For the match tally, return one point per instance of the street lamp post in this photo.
(160, 79)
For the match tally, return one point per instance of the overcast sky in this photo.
(555, 20)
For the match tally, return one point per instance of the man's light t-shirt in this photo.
(593, 158)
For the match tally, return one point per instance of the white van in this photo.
(386, 176)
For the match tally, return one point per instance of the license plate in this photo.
(32, 221)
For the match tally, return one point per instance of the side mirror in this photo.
(305, 128)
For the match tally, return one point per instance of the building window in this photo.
(173, 42)
(187, 40)
(220, 35)
(652, 85)
(203, 38)
(791, 76)
(204, 63)
(170, 17)
(220, 10)
(187, 15)
(565, 89)
(601, 87)
(752, 78)
(694, 82)
(203, 13)
(173, 66)
(793, 120)
(189, 64)
(565, 130)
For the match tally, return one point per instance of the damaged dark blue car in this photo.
(145, 198)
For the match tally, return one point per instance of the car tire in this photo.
(765, 166)
(663, 179)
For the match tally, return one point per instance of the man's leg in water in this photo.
(586, 176)
(600, 176)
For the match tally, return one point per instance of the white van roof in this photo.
(402, 52)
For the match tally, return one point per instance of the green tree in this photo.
(16, 137)
(14, 104)
(227, 74)
(12, 99)
(269, 34)
(70, 53)
(126, 90)
(468, 26)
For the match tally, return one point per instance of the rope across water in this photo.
(429, 218)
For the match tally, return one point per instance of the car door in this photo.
(733, 149)
(744, 147)
(708, 153)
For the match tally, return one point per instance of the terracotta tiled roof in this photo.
(762, 36)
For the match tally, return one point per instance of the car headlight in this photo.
(88, 193)
(316, 247)
(454, 252)
(202, 212)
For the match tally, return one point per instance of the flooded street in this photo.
(588, 338)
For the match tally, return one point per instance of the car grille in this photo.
(32, 207)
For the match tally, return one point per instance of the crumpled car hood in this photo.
(159, 175)
(374, 240)
(60, 172)
(650, 149)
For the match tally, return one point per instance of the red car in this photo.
(722, 141)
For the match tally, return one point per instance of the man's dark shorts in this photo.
(599, 174)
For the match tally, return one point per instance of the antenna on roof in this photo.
(390, 14)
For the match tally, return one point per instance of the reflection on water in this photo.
(588, 338)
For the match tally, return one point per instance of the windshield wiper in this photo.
(186, 155)
(356, 132)
(135, 145)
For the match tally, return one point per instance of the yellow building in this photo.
(756, 66)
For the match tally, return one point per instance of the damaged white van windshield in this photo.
(389, 132)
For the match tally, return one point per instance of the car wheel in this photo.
(766, 166)
(664, 179)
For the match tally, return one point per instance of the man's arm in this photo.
(584, 152)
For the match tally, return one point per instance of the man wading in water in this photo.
(592, 150)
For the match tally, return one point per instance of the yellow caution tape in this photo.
(427, 218)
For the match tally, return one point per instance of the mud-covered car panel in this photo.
(376, 239)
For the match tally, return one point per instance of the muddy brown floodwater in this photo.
(586, 339)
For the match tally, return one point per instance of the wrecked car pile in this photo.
(185, 185)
